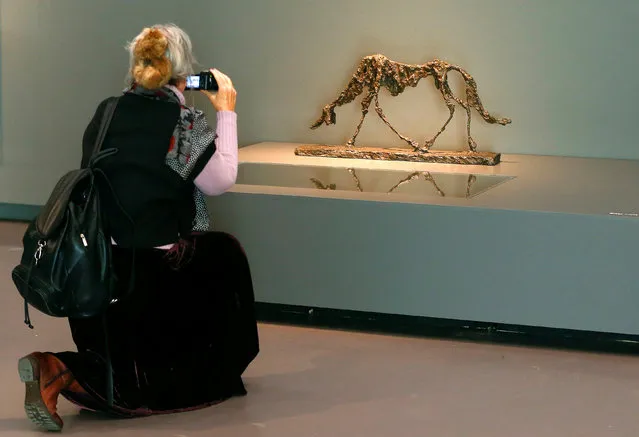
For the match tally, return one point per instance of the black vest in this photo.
(159, 200)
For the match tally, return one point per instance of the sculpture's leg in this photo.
(472, 145)
(380, 112)
(366, 103)
(451, 108)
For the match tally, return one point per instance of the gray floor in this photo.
(312, 383)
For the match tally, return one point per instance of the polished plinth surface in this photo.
(532, 183)
(394, 183)
(315, 383)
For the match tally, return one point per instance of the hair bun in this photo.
(152, 68)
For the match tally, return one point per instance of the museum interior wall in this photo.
(562, 70)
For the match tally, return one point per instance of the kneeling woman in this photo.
(183, 330)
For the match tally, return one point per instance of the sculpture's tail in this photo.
(475, 102)
(472, 99)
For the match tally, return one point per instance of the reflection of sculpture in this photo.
(376, 72)
(413, 176)
(416, 175)
(471, 181)
(357, 182)
(320, 186)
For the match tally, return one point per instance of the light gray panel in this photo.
(16, 212)
(540, 269)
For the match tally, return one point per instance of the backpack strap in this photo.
(107, 116)
(96, 156)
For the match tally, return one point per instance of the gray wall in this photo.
(562, 69)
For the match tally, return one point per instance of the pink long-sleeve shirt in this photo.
(220, 172)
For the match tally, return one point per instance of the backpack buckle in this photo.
(38, 253)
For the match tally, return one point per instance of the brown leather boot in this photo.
(45, 377)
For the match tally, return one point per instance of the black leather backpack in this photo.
(65, 270)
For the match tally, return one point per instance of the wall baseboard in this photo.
(17, 212)
(448, 329)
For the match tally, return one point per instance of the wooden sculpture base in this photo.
(386, 154)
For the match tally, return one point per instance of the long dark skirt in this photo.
(180, 340)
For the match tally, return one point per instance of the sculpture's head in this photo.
(328, 117)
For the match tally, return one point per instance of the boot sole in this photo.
(34, 406)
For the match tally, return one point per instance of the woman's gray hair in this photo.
(179, 51)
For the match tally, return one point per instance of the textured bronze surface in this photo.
(387, 154)
(377, 71)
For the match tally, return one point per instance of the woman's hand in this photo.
(224, 98)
